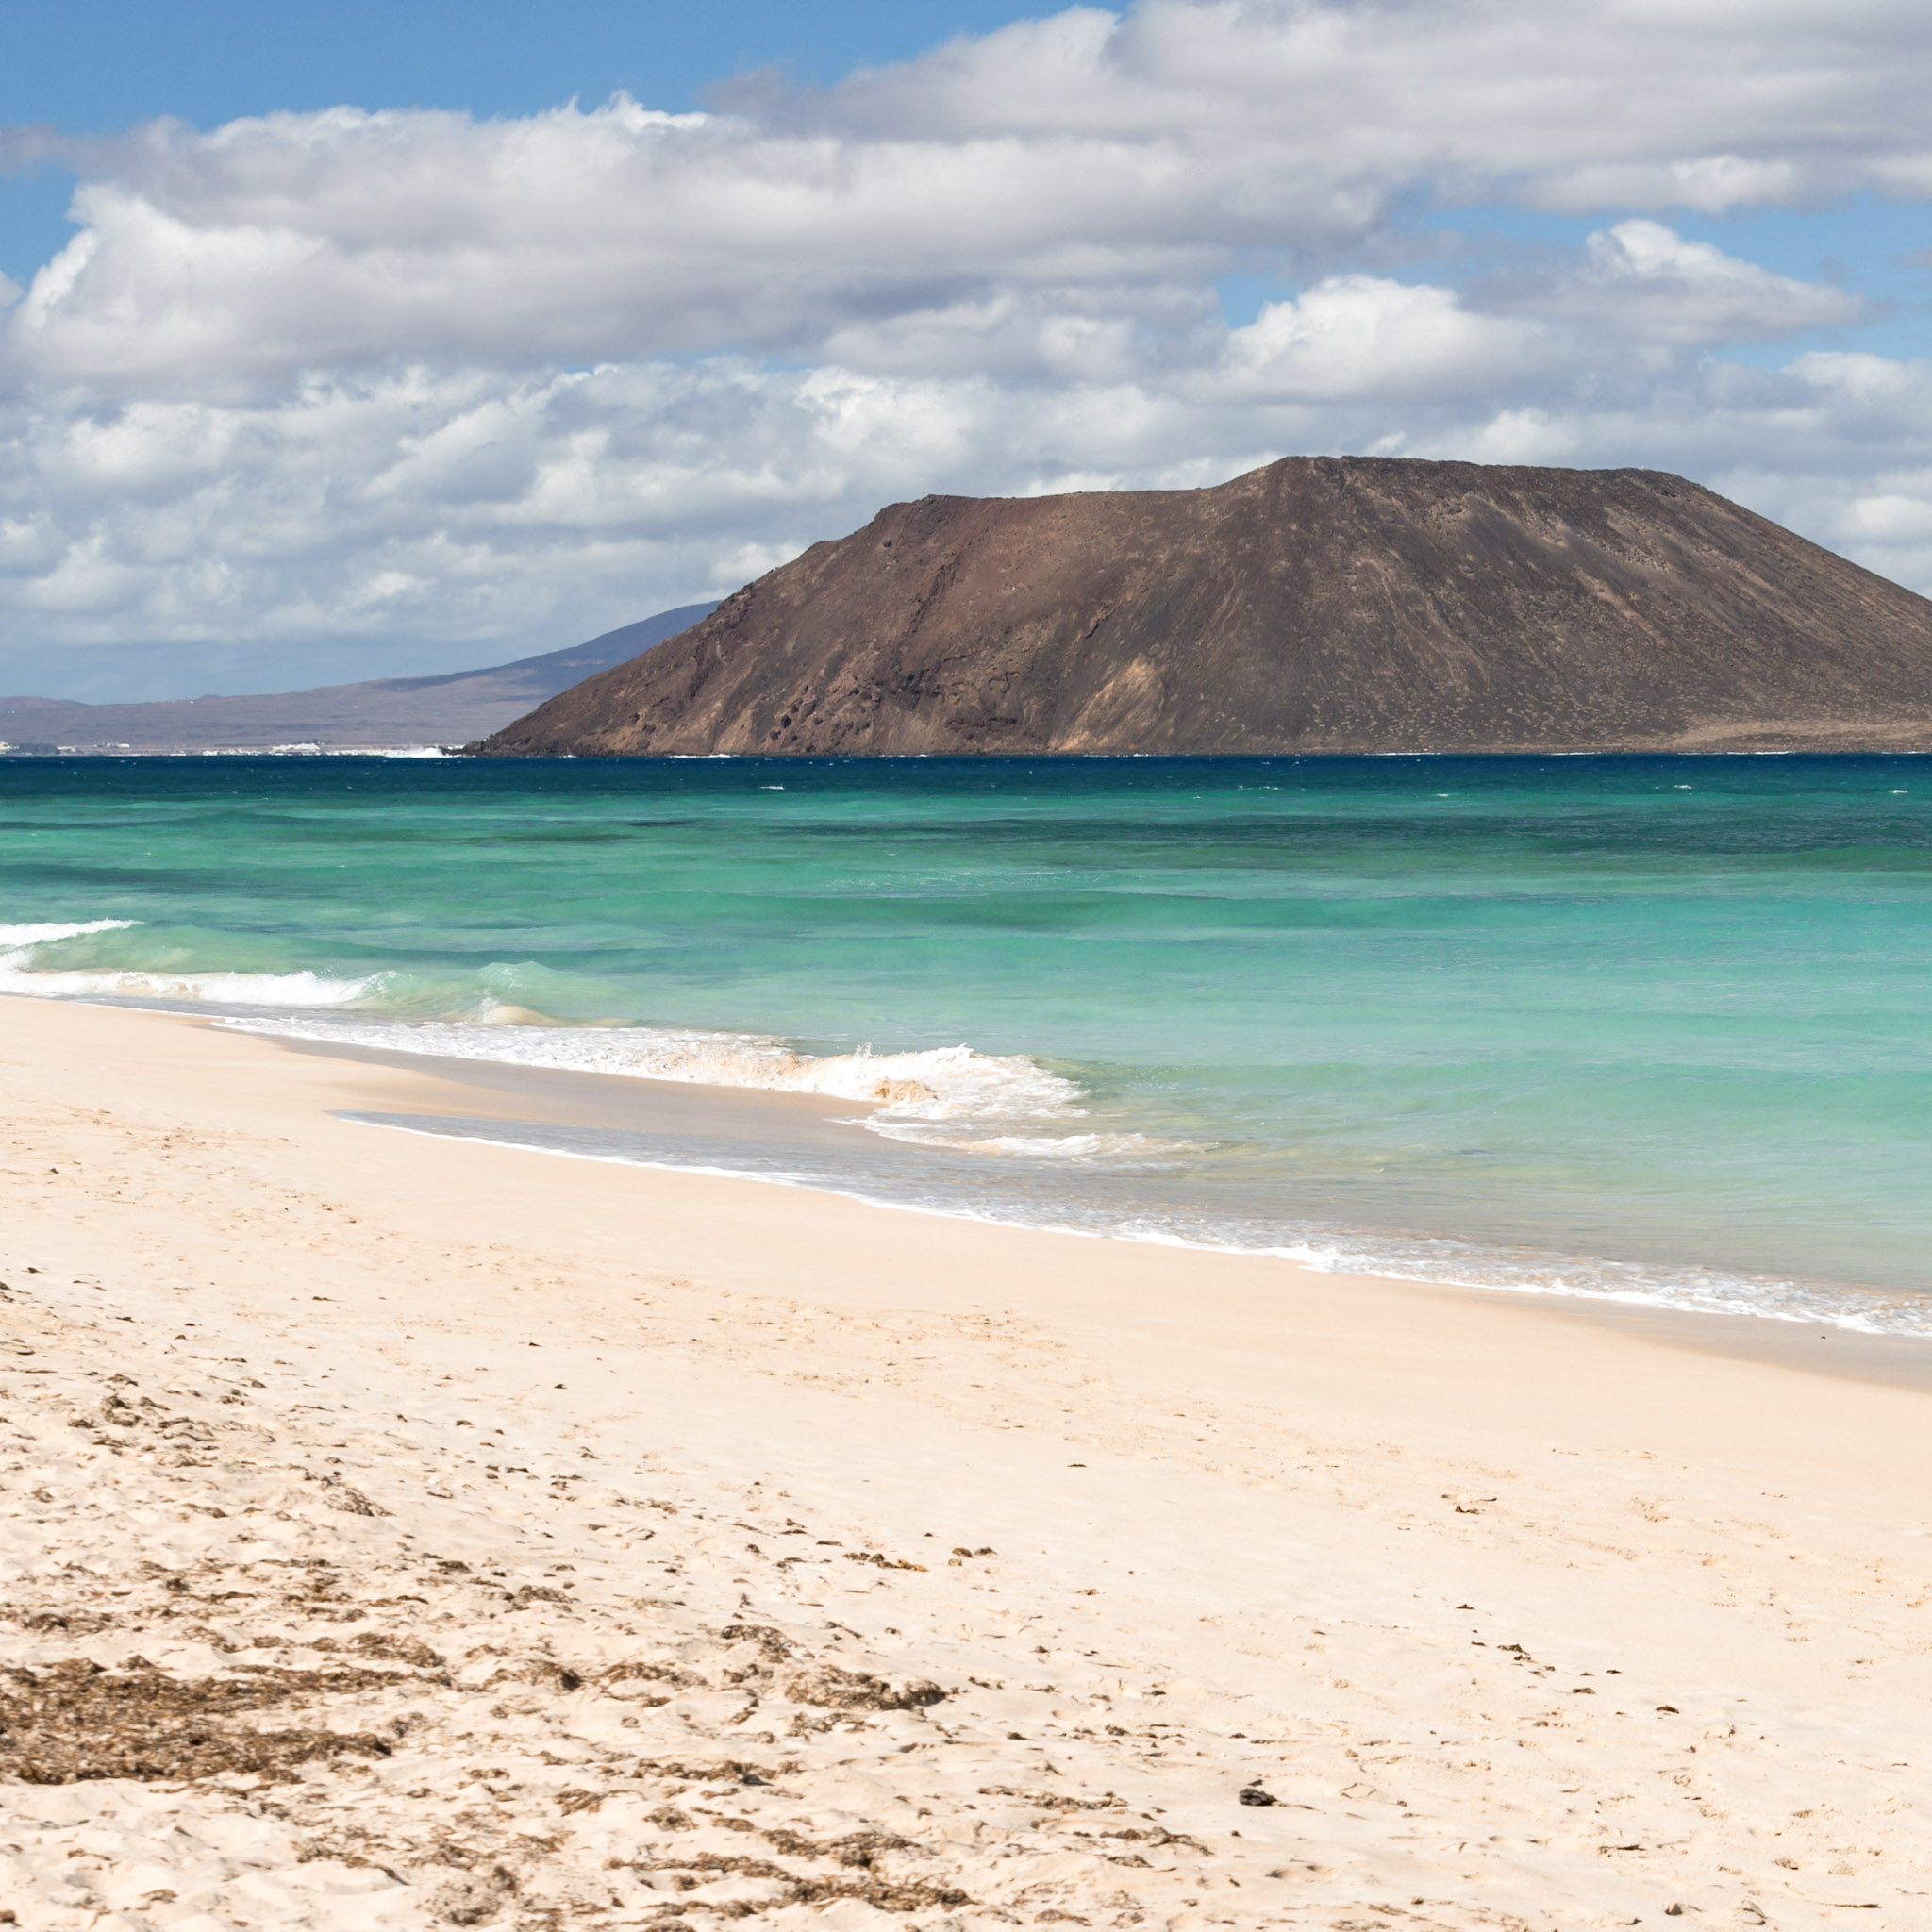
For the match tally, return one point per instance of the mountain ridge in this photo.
(376, 714)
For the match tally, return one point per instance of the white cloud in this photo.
(1647, 282)
(494, 509)
(1364, 337)
(1061, 161)
(409, 376)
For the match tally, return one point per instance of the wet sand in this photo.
(477, 1536)
(554, 1097)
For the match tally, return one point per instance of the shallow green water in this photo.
(1671, 1014)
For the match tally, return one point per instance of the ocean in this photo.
(1657, 1029)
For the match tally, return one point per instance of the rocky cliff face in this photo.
(1317, 604)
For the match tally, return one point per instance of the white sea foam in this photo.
(948, 1095)
(1063, 1147)
(156, 983)
(23, 969)
(1690, 1289)
(12, 937)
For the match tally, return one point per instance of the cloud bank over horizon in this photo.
(410, 382)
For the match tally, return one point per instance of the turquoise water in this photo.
(1648, 1027)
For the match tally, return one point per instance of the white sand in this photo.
(1524, 1619)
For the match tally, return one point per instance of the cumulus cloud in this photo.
(387, 374)
(1361, 338)
(1646, 280)
(1062, 160)
(488, 510)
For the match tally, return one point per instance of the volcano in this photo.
(1322, 604)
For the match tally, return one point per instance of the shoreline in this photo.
(536, 1093)
(666, 1120)
(1552, 1614)
(1900, 1361)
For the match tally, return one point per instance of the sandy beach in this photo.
(403, 1532)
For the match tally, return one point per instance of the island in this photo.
(1317, 604)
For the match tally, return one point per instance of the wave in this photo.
(213, 989)
(1066, 1147)
(20, 971)
(12, 937)
(949, 1096)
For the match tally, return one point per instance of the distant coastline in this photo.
(420, 716)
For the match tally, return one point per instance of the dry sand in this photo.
(402, 1533)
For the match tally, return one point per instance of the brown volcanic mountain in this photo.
(1319, 605)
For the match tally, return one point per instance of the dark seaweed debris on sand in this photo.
(74, 1721)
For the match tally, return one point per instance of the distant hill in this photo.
(1317, 604)
(384, 714)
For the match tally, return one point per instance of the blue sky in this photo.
(98, 66)
(95, 65)
(429, 367)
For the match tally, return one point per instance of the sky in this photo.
(367, 340)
